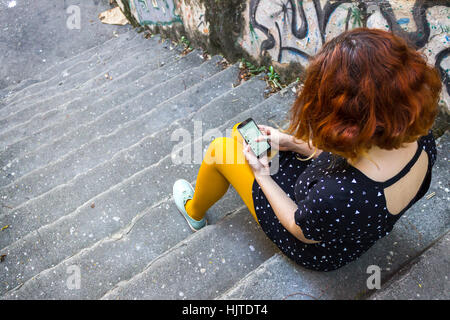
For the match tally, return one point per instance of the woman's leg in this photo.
(224, 164)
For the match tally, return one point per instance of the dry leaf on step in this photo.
(113, 16)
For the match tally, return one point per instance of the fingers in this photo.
(264, 129)
(259, 166)
(262, 138)
(264, 160)
(248, 151)
(249, 155)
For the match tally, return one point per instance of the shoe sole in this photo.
(184, 216)
(189, 224)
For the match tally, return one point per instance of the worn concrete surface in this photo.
(34, 35)
(128, 250)
(86, 181)
(425, 278)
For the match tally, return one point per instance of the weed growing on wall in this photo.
(186, 44)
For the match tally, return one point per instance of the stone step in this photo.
(164, 220)
(56, 93)
(120, 256)
(74, 86)
(425, 278)
(52, 123)
(281, 279)
(44, 113)
(204, 265)
(57, 70)
(80, 228)
(100, 139)
(143, 153)
(11, 92)
(77, 69)
(101, 174)
(117, 104)
(420, 226)
(123, 40)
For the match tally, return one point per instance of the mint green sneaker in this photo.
(182, 192)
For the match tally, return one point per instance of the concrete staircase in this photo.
(86, 177)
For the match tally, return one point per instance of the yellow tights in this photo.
(224, 164)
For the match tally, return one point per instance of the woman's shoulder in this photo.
(336, 180)
(428, 143)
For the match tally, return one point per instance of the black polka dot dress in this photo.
(337, 205)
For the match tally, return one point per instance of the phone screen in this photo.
(250, 132)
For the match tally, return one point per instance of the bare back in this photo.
(403, 173)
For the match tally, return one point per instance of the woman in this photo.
(358, 154)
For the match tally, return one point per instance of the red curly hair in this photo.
(365, 87)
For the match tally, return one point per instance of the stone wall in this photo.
(285, 33)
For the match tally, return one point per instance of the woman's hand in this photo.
(277, 139)
(260, 167)
(283, 206)
(284, 142)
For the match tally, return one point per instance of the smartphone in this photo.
(250, 131)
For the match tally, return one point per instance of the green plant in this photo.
(254, 70)
(186, 43)
(274, 77)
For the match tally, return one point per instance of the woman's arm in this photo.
(301, 147)
(283, 206)
(285, 142)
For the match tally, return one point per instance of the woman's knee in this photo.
(215, 149)
(235, 127)
(235, 134)
(225, 150)
(218, 143)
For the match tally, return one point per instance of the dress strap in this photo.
(406, 169)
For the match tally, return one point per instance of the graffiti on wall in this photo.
(154, 12)
(193, 16)
(286, 17)
(293, 30)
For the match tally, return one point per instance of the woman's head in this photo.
(365, 87)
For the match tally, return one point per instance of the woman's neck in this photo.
(381, 163)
